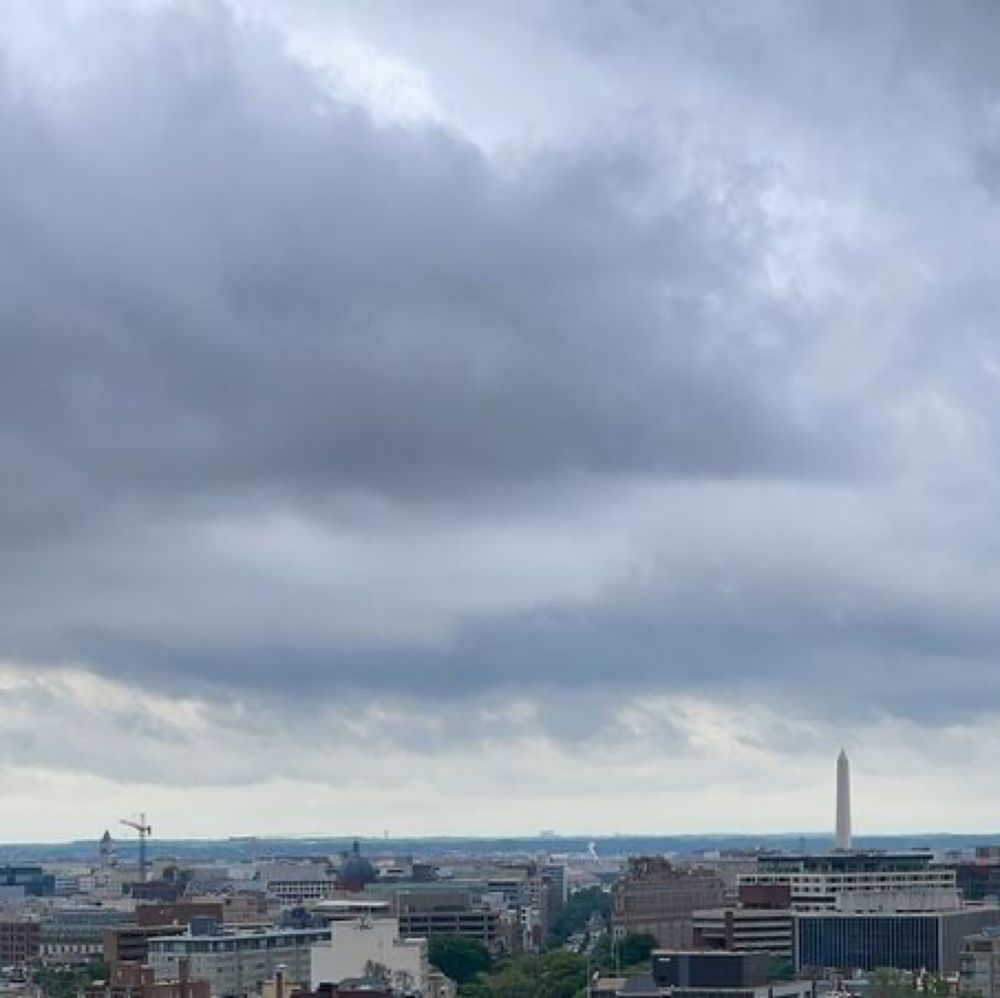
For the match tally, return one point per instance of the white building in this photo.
(367, 948)
(858, 881)
(294, 883)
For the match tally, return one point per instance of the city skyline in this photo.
(479, 419)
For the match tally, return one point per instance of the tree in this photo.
(67, 982)
(633, 949)
(782, 968)
(636, 948)
(556, 974)
(580, 907)
(887, 982)
(459, 958)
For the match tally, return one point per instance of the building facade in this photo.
(428, 912)
(20, 941)
(745, 930)
(915, 941)
(236, 963)
(979, 965)
(656, 897)
(293, 883)
(77, 933)
(371, 949)
(857, 880)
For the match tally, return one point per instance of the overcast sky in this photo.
(468, 418)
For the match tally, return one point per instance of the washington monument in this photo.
(843, 801)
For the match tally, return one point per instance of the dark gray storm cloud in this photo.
(695, 387)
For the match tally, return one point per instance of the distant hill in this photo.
(248, 847)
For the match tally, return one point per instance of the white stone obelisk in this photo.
(843, 801)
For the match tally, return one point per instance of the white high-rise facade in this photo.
(843, 801)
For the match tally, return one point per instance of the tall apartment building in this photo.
(654, 896)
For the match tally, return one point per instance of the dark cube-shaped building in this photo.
(710, 970)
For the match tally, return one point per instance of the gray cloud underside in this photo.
(297, 403)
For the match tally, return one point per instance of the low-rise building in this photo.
(697, 974)
(293, 883)
(178, 913)
(130, 944)
(428, 910)
(371, 949)
(235, 963)
(912, 940)
(979, 965)
(75, 933)
(744, 930)
(134, 981)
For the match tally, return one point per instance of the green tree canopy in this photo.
(580, 907)
(555, 974)
(67, 982)
(636, 948)
(459, 958)
(631, 951)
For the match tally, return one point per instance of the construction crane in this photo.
(144, 831)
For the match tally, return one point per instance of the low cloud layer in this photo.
(467, 386)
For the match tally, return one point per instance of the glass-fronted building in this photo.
(915, 941)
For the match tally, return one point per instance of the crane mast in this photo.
(144, 830)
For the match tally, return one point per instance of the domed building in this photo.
(355, 872)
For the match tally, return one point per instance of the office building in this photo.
(915, 941)
(235, 963)
(978, 878)
(688, 974)
(76, 933)
(20, 941)
(855, 880)
(294, 883)
(130, 944)
(25, 880)
(654, 896)
(429, 910)
(979, 965)
(744, 930)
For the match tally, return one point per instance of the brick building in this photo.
(656, 897)
(134, 981)
(20, 941)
